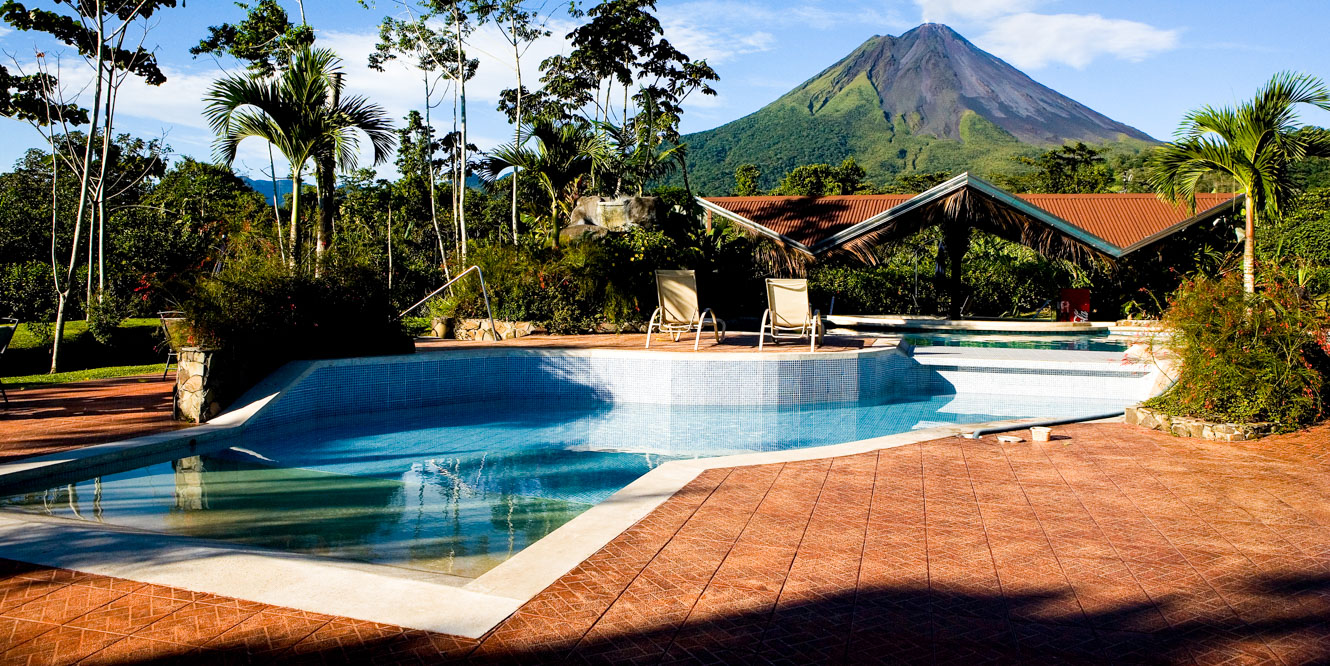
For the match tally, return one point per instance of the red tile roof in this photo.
(1122, 220)
(809, 220)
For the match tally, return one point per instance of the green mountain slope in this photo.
(925, 101)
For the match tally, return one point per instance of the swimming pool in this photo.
(1020, 341)
(459, 488)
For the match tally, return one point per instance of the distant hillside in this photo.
(264, 187)
(925, 101)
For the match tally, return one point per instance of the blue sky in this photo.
(1144, 63)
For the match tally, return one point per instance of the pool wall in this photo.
(336, 388)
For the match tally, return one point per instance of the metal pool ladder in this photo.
(494, 330)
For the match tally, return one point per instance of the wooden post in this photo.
(957, 235)
(708, 221)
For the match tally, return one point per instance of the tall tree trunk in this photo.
(433, 177)
(84, 184)
(108, 133)
(276, 208)
(62, 295)
(295, 217)
(452, 177)
(957, 239)
(327, 209)
(517, 141)
(390, 248)
(92, 237)
(554, 221)
(1249, 248)
(461, 143)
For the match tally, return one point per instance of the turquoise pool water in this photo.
(1020, 341)
(459, 489)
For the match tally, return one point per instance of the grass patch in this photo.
(74, 328)
(135, 342)
(33, 381)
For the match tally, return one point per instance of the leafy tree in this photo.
(850, 178)
(434, 54)
(521, 26)
(98, 31)
(623, 44)
(266, 38)
(746, 179)
(563, 156)
(914, 183)
(1067, 169)
(303, 114)
(1299, 237)
(817, 180)
(638, 154)
(1255, 143)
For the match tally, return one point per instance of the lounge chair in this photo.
(789, 315)
(169, 320)
(678, 312)
(8, 327)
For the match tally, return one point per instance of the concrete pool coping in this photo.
(378, 593)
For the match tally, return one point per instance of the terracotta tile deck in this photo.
(45, 420)
(1110, 545)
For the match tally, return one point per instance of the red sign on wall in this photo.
(1074, 305)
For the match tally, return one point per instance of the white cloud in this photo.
(715, 45)
(941, 11)
(1032, 41)
(757, 15)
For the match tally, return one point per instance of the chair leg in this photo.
(762, 330)
(812, 331)
(651, 324)
(3, 394)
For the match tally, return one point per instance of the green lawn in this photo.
(134, 349)
(24, 339)
(32, 381)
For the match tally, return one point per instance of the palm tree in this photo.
(303, 114)
(1254, 144)
(563, 155)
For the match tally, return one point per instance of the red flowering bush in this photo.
(1248, 358)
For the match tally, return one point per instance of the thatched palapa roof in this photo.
(1068, 226)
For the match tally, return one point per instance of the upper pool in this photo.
(1020, 341)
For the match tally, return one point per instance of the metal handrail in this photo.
(483, 292)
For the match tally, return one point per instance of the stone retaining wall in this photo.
(479, 329)
(196, 398)
(1184, 426)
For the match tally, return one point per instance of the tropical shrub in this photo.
(259, 314)
(105, 313)
(25, 291)
(573, 289)
(869, 290)
(1247, 358)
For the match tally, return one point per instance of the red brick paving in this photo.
(1110, 545)
(56, 418)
